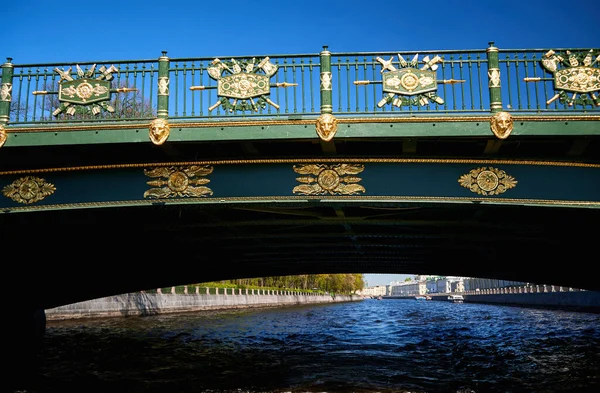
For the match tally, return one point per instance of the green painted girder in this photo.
(347, 181)
(299, 129)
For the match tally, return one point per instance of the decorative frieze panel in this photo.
(178, 181)
(264, 180)
(487, 181)
(328, 179)
(29, 189)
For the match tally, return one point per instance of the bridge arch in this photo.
(138, 174)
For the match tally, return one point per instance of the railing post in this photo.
(326, 106)
(5, 90)
(163, 86)
(494, 78)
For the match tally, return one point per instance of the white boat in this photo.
(420, 298)
(456, 298)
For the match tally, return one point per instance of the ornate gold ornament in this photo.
(3, 135)
(574, 72)
(241, 81)
(487, 181)
(89, 93)
(501, 124)
(178, 181)
(326, 126)
(28, 189)
(410, 85)
(159, 131)
(329, 179)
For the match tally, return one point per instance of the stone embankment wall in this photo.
(158, 303)
(588, 301)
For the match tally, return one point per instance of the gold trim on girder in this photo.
(341, 120)
(309, 160)
(306, 198)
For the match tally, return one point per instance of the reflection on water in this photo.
(384, 346)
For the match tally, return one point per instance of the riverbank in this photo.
(584, 301)
(142, 303)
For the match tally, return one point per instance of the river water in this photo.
(366, 346)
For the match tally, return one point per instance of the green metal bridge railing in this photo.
(410, 83)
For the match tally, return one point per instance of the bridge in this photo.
(124, 175)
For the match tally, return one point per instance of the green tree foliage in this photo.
(339, 283)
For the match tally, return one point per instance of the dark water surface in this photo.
(371, 345)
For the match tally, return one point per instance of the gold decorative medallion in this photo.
(329, 179)
(28, 189)
(501, 124)
(159, 131)
(326, 126)
(487, 181)
(178, 181)
(3, 135)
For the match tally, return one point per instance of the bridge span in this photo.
(125, 175)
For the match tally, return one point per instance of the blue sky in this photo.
(49, 31)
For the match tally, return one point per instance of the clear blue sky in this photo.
(48, 31)
(71, 32)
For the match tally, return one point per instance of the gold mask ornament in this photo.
(159, 131)
(326, 126)
(501, 124)
(3, 135)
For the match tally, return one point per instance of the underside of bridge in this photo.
(84, 252)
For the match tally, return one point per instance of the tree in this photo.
(345, 283)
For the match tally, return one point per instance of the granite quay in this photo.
(145, 303)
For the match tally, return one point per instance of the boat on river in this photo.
(456, 298)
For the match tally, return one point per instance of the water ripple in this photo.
(369, 346)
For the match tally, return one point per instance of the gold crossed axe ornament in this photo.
(575, 78)
(240, 81)
(409, 85)
(86, 93)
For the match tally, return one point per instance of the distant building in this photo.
(379, 290)
(408, 288)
